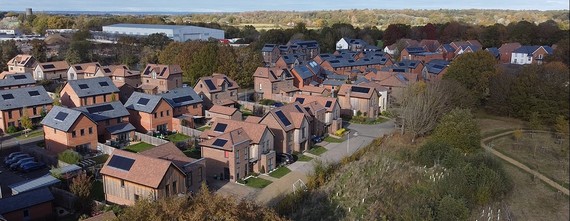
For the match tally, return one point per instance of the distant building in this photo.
(26, 101)
(22, 63)
(530, 54)
(179, 33)
(17, 81)
(32, 205)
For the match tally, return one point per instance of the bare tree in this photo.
(424, 103)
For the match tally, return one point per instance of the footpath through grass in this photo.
(257, 182)
(139, 147)
(280, 172)
(317, 150)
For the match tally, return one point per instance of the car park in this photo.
(15, 159)
(12, 155)
(31, 166)
(17, 164)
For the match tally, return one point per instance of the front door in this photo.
(226, 173)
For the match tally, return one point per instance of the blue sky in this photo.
(288, 5)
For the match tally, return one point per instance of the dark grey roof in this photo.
(65, 118)
(494, 51)
(436, 66)
(24, 97)
(92, 87)
(314, 67)
(120, 128)
(332, 82)
(360, 79)
(17, 79)
(25, 200)
(303, 71)
(408, 63)
(448, 47)
(414, 50)
(143, 102)
(268, 47)
(530, 49)
(182, 96)
(104, 111)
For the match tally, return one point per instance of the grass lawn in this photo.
(139, 147)
(203, 128)
(378, 120)
(177, 137)
(302, 157)
(35, 133)
(97, 191)
(193, 153)
(280, 172)
(333, 140)
(100, 159)
(257, 182)
(317, 150)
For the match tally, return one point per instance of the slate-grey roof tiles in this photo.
(17, 79)
(65, 118)
(23, 97)
(95, 86)
(104, 111)
(142, 102)
(179, 97)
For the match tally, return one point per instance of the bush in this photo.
(12, 129)
(438, 153)
(451, 209)
(267, 102)
(69, 156)
(358, 113)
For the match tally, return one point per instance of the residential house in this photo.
(288, 61)
(66, 128)
(261, 147)
(506, 51)
(149, 112)
(291, 125)
(19, 102)
(270, 53)
(17, 81)
(84, 70)
(3, 74)
(32, 205)
(112, 121)
(332, 120)
(227, 155)
(466, 49)
(308, 47)
(56, 70)
(420, 54)
(269, 83)
(429, 45)
(22, 63)
(128, 177)
(447, 51)
(356, 99)
(530, 54)
(184, 101)
(354, 45)
(316, 91)
(494, 52)
(396, 83)
(317, 112)
(404, 43)
(158, 78)
(88, 91)
(344, 63)
(194, 169)
(121, 74)
(383, 96)
(217, 89)
(309, 74)
(223, 112)
(434, 70)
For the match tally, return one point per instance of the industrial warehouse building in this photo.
(175, 32)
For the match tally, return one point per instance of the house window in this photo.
(226, 154)
(104, 98)
(20, 112)
(90, 130)
(35, 111)
(9, 114)
(232, 93)
(167, 112)
(167, 189)
(200, 174)
(54, 131)
(73, 134)
(195, 106)
(174, 189)
(122, 183)
(82, 132)
(93, 100)
(216, 96)
(137, 197)
(26, 213)
(237, 156)
(540, 56)
(119, 120)
(107, 121)
(155, 115)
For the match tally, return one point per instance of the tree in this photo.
(157, 41)
(394, 32)
(451, 209)
(523, 32)
(473, 71)
(8, 50)
(56, 100)
(39, 50)
(459, 129)
(534, 121)
(81, 186)
(561, 125)
(518, 134)
(69, 156)
(25, 121)
(562, 52)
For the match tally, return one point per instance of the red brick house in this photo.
(12, 81)
(332, 120)
(291, 125)
(158, 78)
(88, 91)
(506, 51)
(36, 204)
(19, 102)
(184, 101)
(227, 155)
(149, 113)
(358, 98)
(112, 121)
(69, 129)
(217, 89)
(273, 81)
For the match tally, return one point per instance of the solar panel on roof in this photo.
(107, 70)
(229, 82)
(61, 116)
(162, 72)
(143, 101)
(182, 99)
(413, 64)
(83, 86)
(7, 96)
(300, 100)
(438, 66)
(210, 85)
(220, 142)
(19, 77)
(79, 68)
(48, 66)
(33, 93)
(360, 89)
(102, 108)
(328, 104)
(103, 84)
(282, 117)
(121, 162)
(298, 108)
(220, 127)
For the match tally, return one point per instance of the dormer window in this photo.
(153, 75)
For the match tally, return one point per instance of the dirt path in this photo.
(520, 165)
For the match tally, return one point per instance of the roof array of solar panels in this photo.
(121, 162)
(101, 108)
(143, 101)
(182, 99)
(210, 84)
(360, 89)
(220, 127)
(328, 104)
(61, 116)
(282, 118)
(220, 142)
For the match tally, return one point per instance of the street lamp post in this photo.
(348, 144)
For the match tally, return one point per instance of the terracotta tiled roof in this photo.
(81, 68)
(170, 152)
(230, 140)
(508, 48)
(22, 60)
(348, 88)
(313, 89)
(54, 66)
(162, 71)
(106, 216)
(294, 112)
(375, 85)
(253, 119)
(253, 130)
(321, 100)
(145, 170)
(229, 111)
(217, 82)
(225, 102)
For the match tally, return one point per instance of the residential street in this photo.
(335, 152)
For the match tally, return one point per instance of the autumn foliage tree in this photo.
(81, 187)
(473, 71)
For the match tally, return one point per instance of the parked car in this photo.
(285, 158)
(316, 139)
(31, 166)
(12, 155)
(14, 166)
(15, 159)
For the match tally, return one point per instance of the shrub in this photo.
(358, 113)
(69, 156)
(438, 153)
(267, 102)
(12, 129)
(451, 209)
(460, 130)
